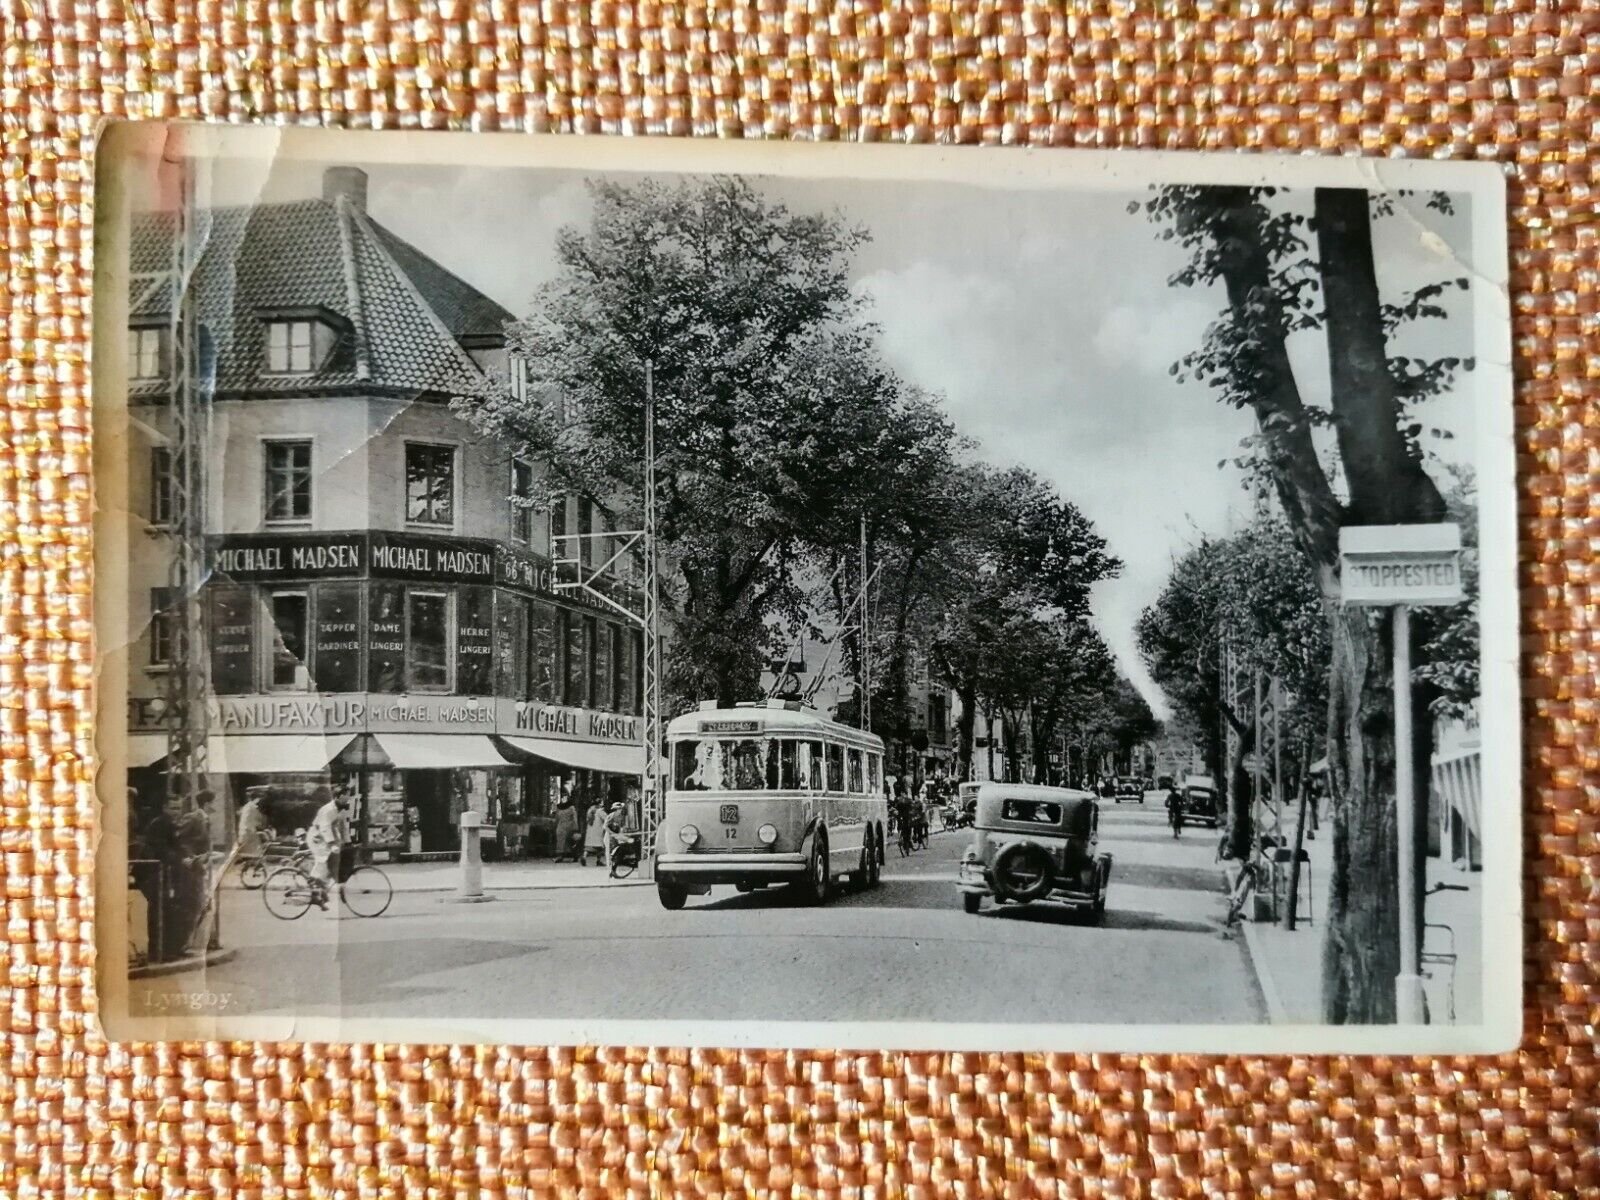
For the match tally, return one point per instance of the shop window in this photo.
(161, 485)
(596, 669)
(856, 778)
(544, 651)
(161, 632)
(619, 669)
(638, 671)
(575, 661)
(427, 641)
(290, 616)
(147, 353)
(289, 347)
(521, 492)
(287, 475)
(430, 484)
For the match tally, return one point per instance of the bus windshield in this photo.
(745, 764)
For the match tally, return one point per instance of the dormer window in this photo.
(147, 353)
(290, 347)
(303, 340)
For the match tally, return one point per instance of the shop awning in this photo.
(586, 756)
(272, 753)
(439, 751)
(145, 749)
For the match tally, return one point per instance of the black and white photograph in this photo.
(651, 591)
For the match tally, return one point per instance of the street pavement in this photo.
(905, 951)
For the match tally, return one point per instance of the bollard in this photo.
(471, 889)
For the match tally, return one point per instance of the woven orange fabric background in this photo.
(1516, 81)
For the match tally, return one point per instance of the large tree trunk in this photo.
(1360, 951)
(1382, 466)
(968, 696)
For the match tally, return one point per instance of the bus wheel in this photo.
(875, 871)
(861, 877)
(818, 878)
(672, 897)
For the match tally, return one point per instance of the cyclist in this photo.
(325, 838)
(1175, 811)
(903, 816)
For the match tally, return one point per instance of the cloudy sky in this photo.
(1043, 319)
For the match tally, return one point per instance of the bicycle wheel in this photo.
(623, 866)
(367, 892)
(287, 893)
(252, 873)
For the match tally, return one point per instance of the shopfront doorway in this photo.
(430, 797)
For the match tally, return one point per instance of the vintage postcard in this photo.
(641, 591)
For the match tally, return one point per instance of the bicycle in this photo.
(254, 868)
(919, 834)
(907, 836)
(1243, 889)
(289, 891)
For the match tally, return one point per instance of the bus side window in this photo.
(788, 765)
(813, 765)
(835, 768)
(874, 774)
(856, 782)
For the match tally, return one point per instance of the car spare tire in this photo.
(1022, 872)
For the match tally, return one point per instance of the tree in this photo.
(1275, 283)
(769, 398)
(1023, 554)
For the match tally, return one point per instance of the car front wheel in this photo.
(672, 896)
(972, 902)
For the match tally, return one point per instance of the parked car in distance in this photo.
(1035, 843)
(1164, 783)
(1128, 787)
(1201, 801)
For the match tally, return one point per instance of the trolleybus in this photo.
(761, 794)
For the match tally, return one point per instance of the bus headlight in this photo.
(768, 834)
(688, 835)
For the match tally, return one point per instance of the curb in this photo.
(1276, 1012)
(212, 958)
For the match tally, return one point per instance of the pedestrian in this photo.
(616, 827)
(251, 841)
(568, 842)
(1175, 811)
(594, 835)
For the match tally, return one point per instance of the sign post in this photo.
(1398, 566)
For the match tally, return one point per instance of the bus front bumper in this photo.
(729, 868)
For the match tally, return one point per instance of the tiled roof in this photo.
(405, 316)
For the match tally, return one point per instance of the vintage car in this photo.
(1128, 787)
(1035, 843)
(1200, 801)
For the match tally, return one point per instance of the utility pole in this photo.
(186, 714)
(569, 554)
(652, 787)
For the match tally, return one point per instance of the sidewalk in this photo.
(532, 875)
(1288, 965)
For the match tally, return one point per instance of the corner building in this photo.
(380, 615)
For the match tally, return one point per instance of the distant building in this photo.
(380, 614)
